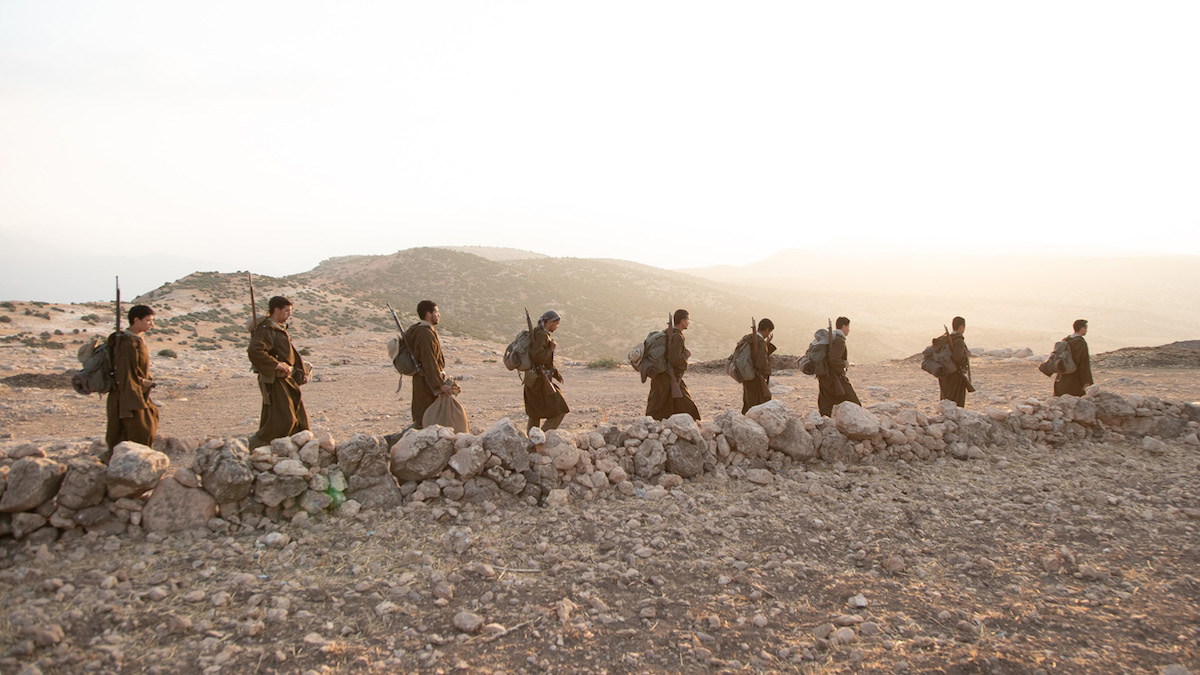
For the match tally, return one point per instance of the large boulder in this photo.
(225, 470)
(421, 455)
(25, 523)
(374, 492)
(469, 461)
(364, 455)
(748, 437)
(771, 416)
(173, 507)
(271, 488)
(683, 426)
(1112, 409)
(650, 459)
(836, 448)
(795, 441)
(85, 484)
(134, 469)
(685, 457)
(854, 422)
(505, 441)
(31, 481)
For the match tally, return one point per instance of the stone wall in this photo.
(218, 483)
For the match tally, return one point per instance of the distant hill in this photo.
(608, 305)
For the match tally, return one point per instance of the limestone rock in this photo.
(271, 489)
(364, 455)
(771, 416)
(685, 457)
(85, 483)
(172, 507)
(291, 467)
(374, 492)
(794, 441)
(421, 455)
(760, 476)
(684, 427)
(505, 441)
(854, 422)
(315, 502)
(31, 482)
(469, 461)
(225, 470)
(748, 437)
(134, 469)
(649, 460)
(25, 523)
(557, 498)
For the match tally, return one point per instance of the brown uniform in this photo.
(954, 386)
(132, 416)
(660, 405)
(283, 412)
(426, 347)
(757, 391)
(543, 400)
(834, 387)
(1076, 383)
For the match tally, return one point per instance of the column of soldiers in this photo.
(133, 416)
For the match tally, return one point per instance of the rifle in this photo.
(545, 375)
(675, 391)
(253, 307)
(117, 335)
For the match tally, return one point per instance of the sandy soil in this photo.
(1076, 559)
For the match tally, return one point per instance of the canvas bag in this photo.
(446, 411)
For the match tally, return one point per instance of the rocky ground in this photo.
(1080, 557)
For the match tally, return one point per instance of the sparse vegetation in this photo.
(605, 363)
(5, 319)
(167, 353)
(9, 306)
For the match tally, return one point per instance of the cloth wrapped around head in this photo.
(549, 316)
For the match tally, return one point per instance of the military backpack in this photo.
(1060, 362)
(516, 355)
(96, 376)
(936, 359)
(816, 358)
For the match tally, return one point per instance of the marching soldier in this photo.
(543, 399)
(426, 347)
(662, 401)
(281, 372)
(132, 416)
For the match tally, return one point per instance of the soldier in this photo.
(132, 416)
(1076, 383)
(281, 372)
(544, 400)
(834, 387)
(954, 386)
(661, 404)
(426, 347)
(757, 390)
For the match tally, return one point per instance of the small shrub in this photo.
(604, 363)
(167, 353)
(5, 319)
(9, 306)
(207, 347)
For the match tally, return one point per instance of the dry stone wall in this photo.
(219, 483)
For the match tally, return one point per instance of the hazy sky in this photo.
(271, 135)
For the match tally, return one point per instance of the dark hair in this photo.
(139, 312)
(680, 315)
(766, 324)
(424, 307)
(1079, 323)
(841, 322)
(958, 322)
(278, 302)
